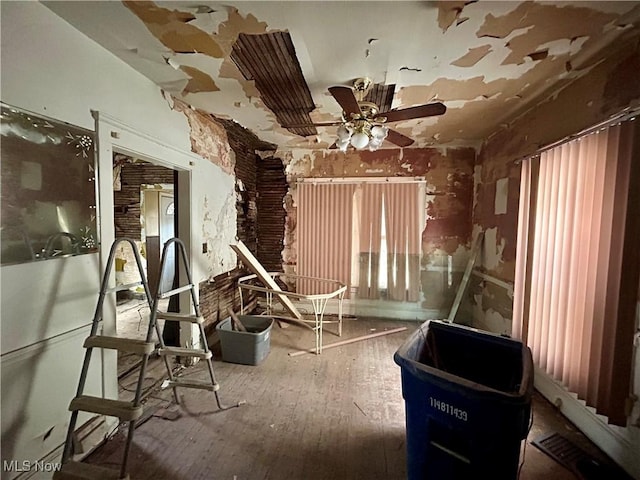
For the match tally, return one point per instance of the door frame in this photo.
(171, 252)
(116, 136)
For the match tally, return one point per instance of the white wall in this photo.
(50, 68)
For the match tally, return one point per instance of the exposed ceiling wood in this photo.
(269, 59)
(382, 96)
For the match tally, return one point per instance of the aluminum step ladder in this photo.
(125, 411)
(202, 352)
(131, 411)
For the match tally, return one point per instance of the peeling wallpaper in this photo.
(208, 138)
(218, 221)
(217, 205)
(586, 102)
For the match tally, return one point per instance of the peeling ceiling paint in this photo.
(198, 81)
(172, 28)
(449, 13)
(473, 56)
(488, 62)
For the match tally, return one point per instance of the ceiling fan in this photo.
(363, 125)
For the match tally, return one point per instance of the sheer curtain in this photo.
(402, 218)
(575, 299)
(370, 240)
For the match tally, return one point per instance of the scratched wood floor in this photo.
(336, 416)
(339, 415)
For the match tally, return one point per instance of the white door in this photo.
(166, 218)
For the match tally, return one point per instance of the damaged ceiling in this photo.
(268, 64)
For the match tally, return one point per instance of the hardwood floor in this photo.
(339, 415)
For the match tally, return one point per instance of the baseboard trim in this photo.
(371, 308)
(94, 438)
(594, 426)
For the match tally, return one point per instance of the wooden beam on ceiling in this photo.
(269, 59)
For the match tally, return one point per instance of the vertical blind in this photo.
(370, 228)
(324, 234)
(577, 265)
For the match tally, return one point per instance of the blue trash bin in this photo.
(468, 402)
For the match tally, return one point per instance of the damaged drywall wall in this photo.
(217, 206)
(208, 138)
(272, 188)
(446, 235)
(585, 102)
(219, 218)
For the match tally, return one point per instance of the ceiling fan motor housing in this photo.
(362, 86)
(368, 109)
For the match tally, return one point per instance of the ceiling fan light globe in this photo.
(379, 131)
(343, 132)
(342, 144)
(375, 144)
(359, 140)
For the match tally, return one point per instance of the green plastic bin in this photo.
(247, 348)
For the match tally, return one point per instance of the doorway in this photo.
(144, 211)
(158, 217)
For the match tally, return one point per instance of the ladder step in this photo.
(125, 411)
(184, 352)
(180, 317)
(183, 384)
(176, 291)
(120, 288)
(86, 471)
(128, 345)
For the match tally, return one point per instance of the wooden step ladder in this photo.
(126, 411)
(203, 352)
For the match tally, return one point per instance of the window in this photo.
(48, 191)
(578, 265)
(365, 234)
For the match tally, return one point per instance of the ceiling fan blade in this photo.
(347, 100)
(398, 139)
(428, 110)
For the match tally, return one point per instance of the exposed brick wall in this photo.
(245, 144)
(272, 188)
(219, 295)
(222, 293)
(127, 199)
(246, 195)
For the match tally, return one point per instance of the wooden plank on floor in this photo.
(462, 288)
(350, 340)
